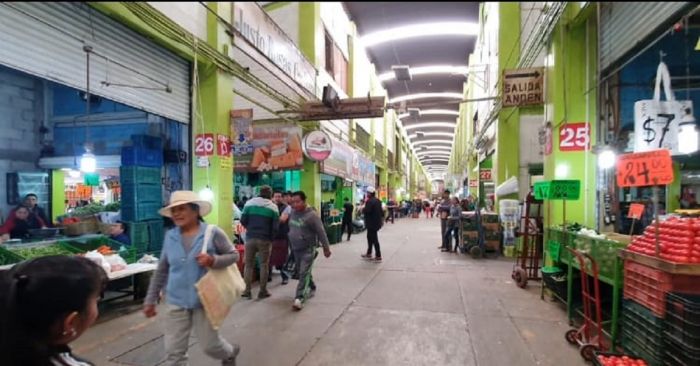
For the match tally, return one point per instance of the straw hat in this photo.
(184, 197)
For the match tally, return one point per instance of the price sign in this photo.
(542, 190)
(485, 174)
(567, 190)
(574, 137)
(224, 144)
(473, 183)
(204, 144)
(645, 169)
(636, 211)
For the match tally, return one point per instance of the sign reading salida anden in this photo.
(523, 87)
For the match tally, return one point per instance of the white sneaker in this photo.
(298, 305)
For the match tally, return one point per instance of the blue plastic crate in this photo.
(139, 175)
(142, 193)
(140, 211)
(147, 142)
(139, 156)
(156, 232)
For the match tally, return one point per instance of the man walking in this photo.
(347, 217)
(391, 207)
(280, 243)
(374, 219)
(305, 231)
(444, 212)
(261, 220)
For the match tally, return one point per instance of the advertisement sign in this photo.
(485, 175)
(523, 87)
(263, 33)
(242, 131)
(274, 146)
(317, 145)
(224, 145)
(473, 183)
(363, 169)
(574, 137)
(339, 162)
(645, 169)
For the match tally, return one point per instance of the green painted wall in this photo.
(573, 50)
(216, 91)
(58, 194)
(507, 156)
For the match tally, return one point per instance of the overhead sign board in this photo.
(317, 145)
(523, 87)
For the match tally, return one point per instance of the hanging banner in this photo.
(645, 169)
(242, 131)
(274, 146)
(523, 87)
(339, 162)
(655, 121)
(317, 145)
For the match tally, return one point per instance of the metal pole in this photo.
(656, 217)
(87, 50)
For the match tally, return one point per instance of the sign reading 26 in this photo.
(574, 137)
(204, 144)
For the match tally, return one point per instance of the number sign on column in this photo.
(204, 144)
(574, 137)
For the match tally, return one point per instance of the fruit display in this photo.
(679, 240)
(615, 360)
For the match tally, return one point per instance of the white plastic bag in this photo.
(98, 258)
(116, 262)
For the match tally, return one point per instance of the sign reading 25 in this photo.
(574, 137)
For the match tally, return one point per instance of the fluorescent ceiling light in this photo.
(424, 134)
(464, 29)
(434, 153)
(430, 124)
(432, 111)
(448, 142)
(408, 97)
(427, 70)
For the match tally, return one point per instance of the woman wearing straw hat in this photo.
(181, 265)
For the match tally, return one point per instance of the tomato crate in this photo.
(678, 355)
(139, 175)
(142, 193)
(653, 357)
(640, 324)
(649, 286)
(597, 357)
(683, 311)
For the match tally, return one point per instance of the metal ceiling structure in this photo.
(431, 131)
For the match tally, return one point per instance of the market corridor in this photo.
(419, 307)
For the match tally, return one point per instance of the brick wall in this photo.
(21, 115)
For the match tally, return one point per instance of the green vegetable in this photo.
(33, 252)
(112, 207)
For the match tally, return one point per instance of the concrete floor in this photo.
(419, 307)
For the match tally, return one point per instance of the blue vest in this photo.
(184, 270)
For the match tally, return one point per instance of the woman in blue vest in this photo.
(181, 265)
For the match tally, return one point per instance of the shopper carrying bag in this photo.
(219, 289)
(196, 273)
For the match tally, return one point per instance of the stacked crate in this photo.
(142, 192)
(661, 315)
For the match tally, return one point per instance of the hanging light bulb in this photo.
(688, 133)
(88, 163)
(606, 158)
(206, 194)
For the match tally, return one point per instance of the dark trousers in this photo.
(443, 229)
(373, 240)
(304, 263)
(346, 224)
(452, 230)
(390, 216)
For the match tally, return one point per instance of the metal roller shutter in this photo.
(624, 25)
(46, 40)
